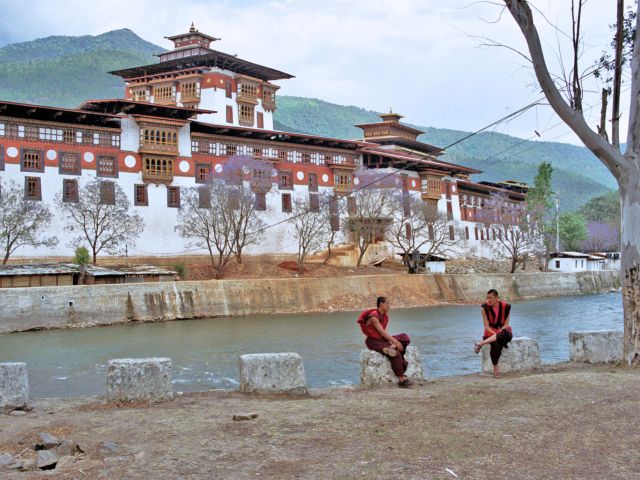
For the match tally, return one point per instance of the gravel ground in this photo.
(565, 422)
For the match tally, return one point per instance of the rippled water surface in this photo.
(205, 352)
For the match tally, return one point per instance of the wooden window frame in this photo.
(70, 190)
(107, 192)
(313, 182)
(33, 189)
(140, 200)
(173, 197)
(260, 119)
(285, 180)
(63, 157)
(228, 89)
(39, 165)
(260, 202)
(1, 158)
(452, 233)
(352, 206)
(204, 197)
(99, 169)
(314, 203)
(334, 216)
(287, 203)
(203, 172)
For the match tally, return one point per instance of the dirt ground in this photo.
(565, 422)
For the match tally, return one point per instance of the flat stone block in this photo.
(14, 385)
(272, 373)
(375, 368)
(522, 355)
(596, 346)
(135, 379)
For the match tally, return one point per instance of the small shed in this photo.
(146, 273)
(424, 263)
(597, 261)
(96, 275)
(37, 275)
(568, 262)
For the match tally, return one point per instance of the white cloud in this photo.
(417, 57)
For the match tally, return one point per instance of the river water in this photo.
(65, 363)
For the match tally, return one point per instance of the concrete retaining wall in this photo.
(79, 306)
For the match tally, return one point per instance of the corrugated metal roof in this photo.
(38, 269)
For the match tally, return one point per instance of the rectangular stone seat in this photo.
(14, 385)
(522, 355)
(272, 373)
(139, 379)
(375, 368)
(596, 346)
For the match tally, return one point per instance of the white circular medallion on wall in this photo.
(453, 188)
(183, 166)
(356, 181)
(413, 183)
(88, 157)
(274, 173)
(300, 175)
(52, 155)
(218, 168)
(12, 152)
(325, 177)
(130, 161)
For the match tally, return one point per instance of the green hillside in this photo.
(65, 71)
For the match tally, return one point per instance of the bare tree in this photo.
(418, 228)
(516, 234)
(22, 221)
(311, 228)
(332, 209)
(101, 217)
(246, 179)
(624, 167)
(205, 218)
(370, 210)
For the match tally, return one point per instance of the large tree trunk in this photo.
(630, 270)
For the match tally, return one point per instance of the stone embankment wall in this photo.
(79, 306)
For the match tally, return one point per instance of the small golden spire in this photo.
(193, 28)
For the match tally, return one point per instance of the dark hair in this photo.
(493, 291)
(380, 300)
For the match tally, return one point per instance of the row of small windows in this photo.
(59, 135)
(154, 136)
(32, 160)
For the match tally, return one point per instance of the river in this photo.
(65, 363)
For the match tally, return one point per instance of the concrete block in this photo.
(135, 379)
(522, 355)
(597, 346)
(14, 385)
(272, 373)
(375, 368)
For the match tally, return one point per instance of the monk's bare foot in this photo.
(390, 352)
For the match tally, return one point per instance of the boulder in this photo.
(272, 373)
(135, 379)
(14, 385)
(522, 355)
(596, 346)
(375, 368)
(46, 441)
(46, 460)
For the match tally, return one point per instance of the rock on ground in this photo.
(272, 373)
(14, 385)
(596, 346)
(522, 355)
(135, 379)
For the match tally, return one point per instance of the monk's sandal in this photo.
(406, 383)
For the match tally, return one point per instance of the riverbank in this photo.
(39, 308)
(554, 424)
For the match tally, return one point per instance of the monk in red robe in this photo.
(497, 332)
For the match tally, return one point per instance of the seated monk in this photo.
(373, 324)
(497, 332)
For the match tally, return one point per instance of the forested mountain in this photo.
(65, 71)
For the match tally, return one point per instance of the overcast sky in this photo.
(421, 58)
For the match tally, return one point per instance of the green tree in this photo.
(81, 256)
(540, 207)
(603, 209)
(573, 230)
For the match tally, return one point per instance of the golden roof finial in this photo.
(193, 28)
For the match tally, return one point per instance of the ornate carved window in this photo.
(47, 134)
(107, 193)
(342, 181)
(286, 180)
(31, 160)
(70, 191)
(286, 202)
(140, 196)
(157, 169)
(32, 188)
(246, 114)
(313, 182)
(204, 197)
(69, 163)
(173, 197)
(203, 172)
(107, 166)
